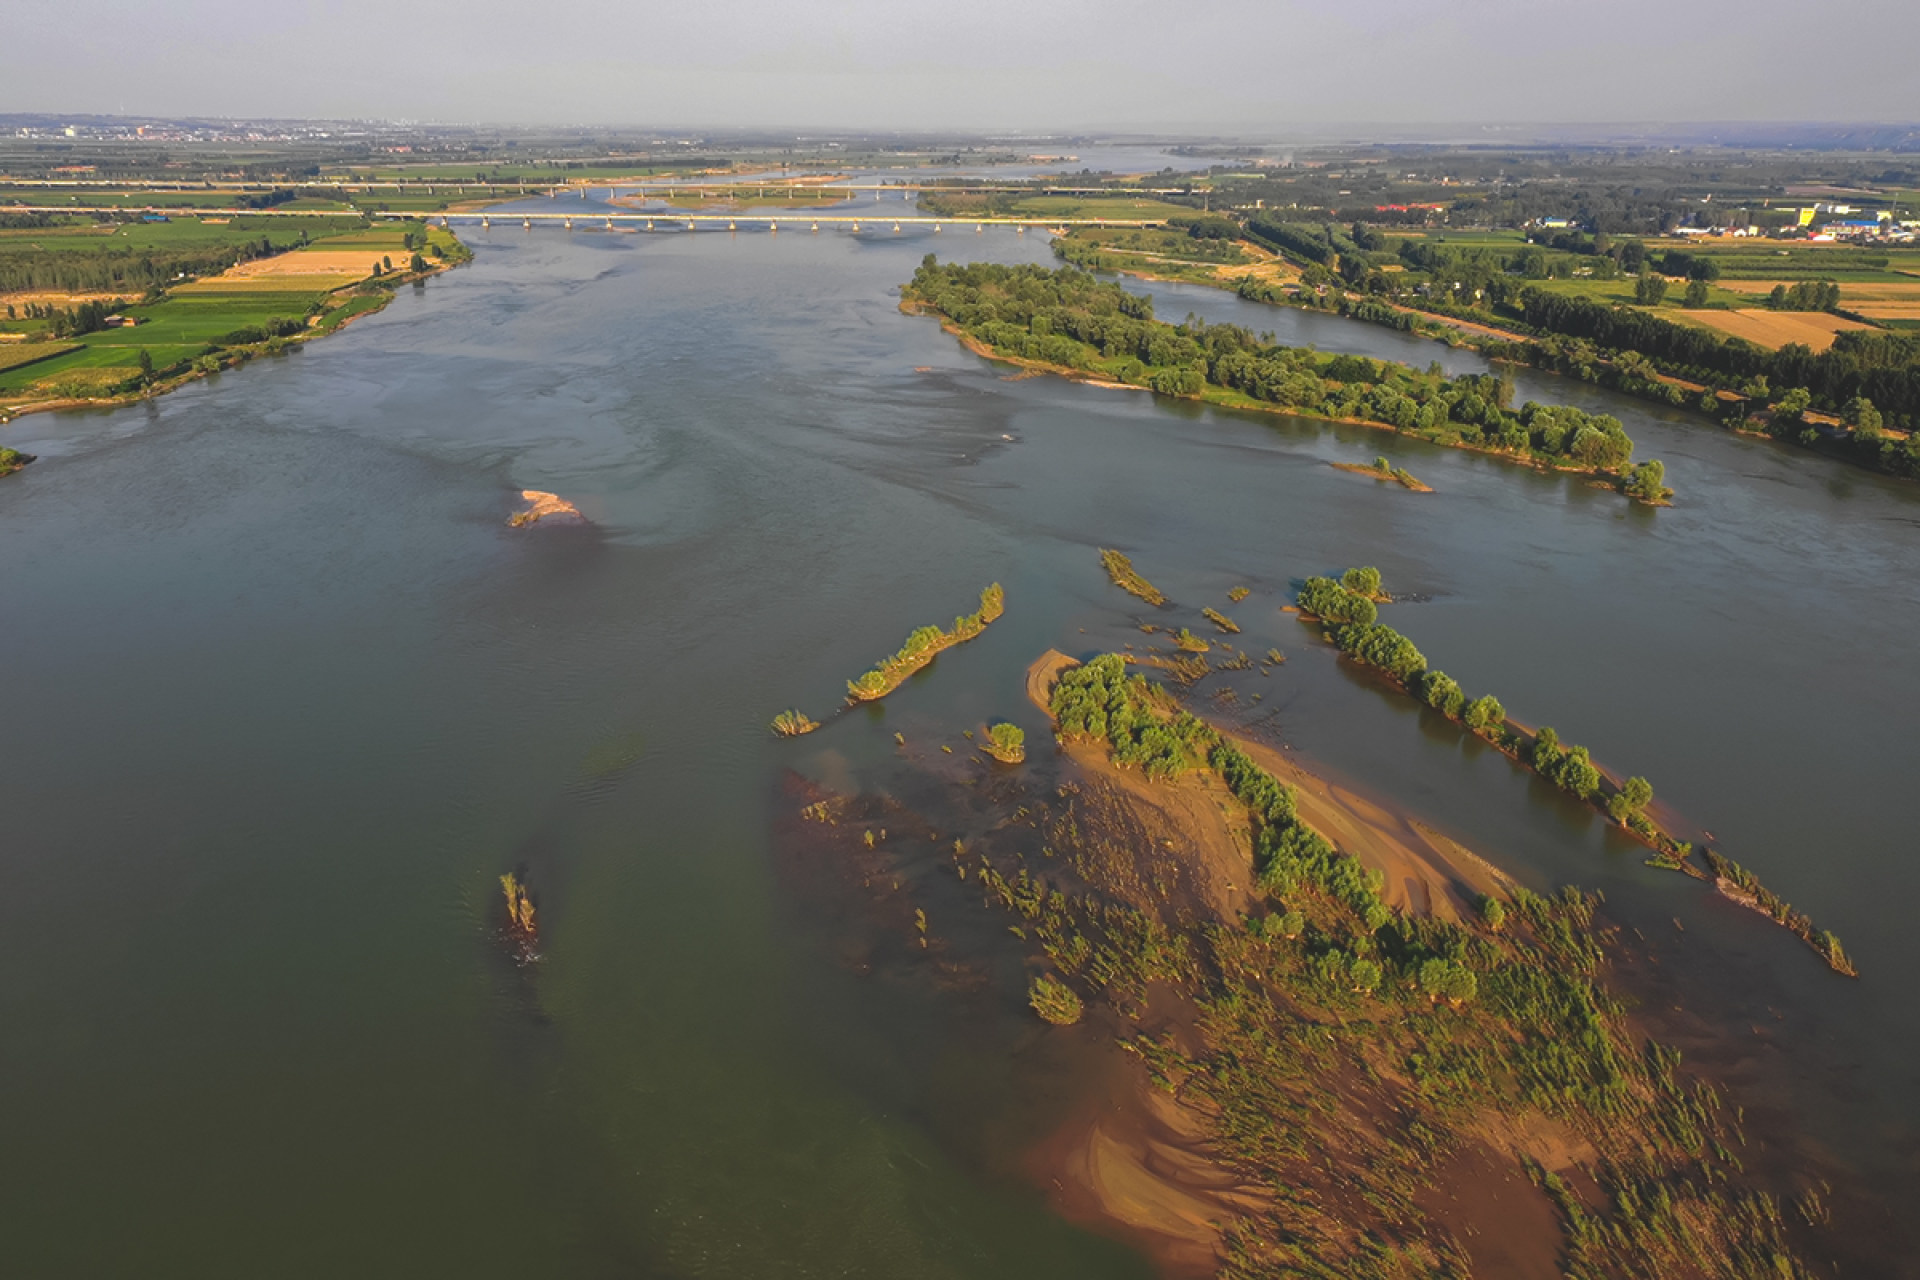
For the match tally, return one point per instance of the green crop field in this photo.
(15, 355)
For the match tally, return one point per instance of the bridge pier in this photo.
(816, 226)
(526, 224)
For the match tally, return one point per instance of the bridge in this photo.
(794, 188)
(626, 220)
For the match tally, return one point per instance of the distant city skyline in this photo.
(1236, 65)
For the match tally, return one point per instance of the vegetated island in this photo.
(1067, 322)
(923, 646)
(1382, 469)
(1006, 743)
(1350, 617)
(793, 722)
(12, 460)
(1121, 570)
(522, 933)
(1322, 1063)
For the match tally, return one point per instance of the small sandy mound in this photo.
(544, 506)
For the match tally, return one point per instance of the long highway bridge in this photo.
(628, 220)
(794, 189)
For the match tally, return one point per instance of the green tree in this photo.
(1362, 582)
(1696, 295)
(1484, 713)
(1862, 417)
(1648, 481)
(1442, 692)
(146, 365)
(1493, 911)
(1650, 289)
(1634, 795)
(1546, 750)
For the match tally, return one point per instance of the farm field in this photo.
(15, 354)
(290, 292)
(1771, 329)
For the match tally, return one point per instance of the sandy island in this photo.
(544, 506)
(1138, 1161)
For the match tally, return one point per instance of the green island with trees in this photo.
(1068, 322)
(923, 646)
(1351, 621)
(1338, 1053)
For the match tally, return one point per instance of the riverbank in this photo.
(273, 336)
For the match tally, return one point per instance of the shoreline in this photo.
(236, 356)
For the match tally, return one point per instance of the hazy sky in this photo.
(1024, 64)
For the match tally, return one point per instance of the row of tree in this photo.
(1068, 318)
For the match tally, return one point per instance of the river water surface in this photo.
(285, 697)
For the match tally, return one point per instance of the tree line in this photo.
(1352, 626)
(1069, 319)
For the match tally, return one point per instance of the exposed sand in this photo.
(1137, 1163)
(1426, 873)
(544, 506)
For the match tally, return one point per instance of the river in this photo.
(286, 696)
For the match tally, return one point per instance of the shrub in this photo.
(1055, 1001)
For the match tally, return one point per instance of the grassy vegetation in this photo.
(1382, 469)
(923, 646)
(1355, 632)
(1121, 570)
(793, 723)
(1338, 1053)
